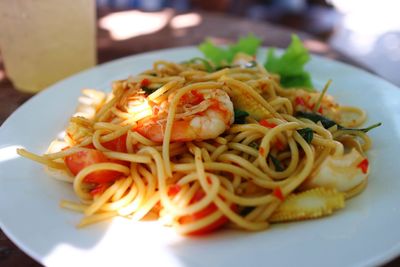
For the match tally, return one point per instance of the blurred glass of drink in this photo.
(44, 41)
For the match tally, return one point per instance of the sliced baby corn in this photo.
(244, 101)
(311, 204)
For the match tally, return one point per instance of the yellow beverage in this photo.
(44, 41)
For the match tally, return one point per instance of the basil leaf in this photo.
(254, 145)
(307, 134)
(220, 56)
(328, 123)
(240, 116)
(148, 90)
(277, 163)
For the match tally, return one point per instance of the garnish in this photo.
(267, 124)
(363, 165)
(277, 163)
(328, 123)
(224, 56)
(240, 116)
(278, 193)
(145, 82)
(290, 66)
(317, 106)
(254, 145)
(307, 134)
(148, 90)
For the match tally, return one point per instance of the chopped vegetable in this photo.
(317, 106)
(278, 193)
(148, 90)
(221, 57)
(173, 190)
(207, 211)
(80, 160)
(363, 165)
(261, 150)
(267, 124)
(277, 163)
(328, 123)
(307, 134)
(145, 82)
(290, 66)
(246, 210)
(254, 145)
(240, 116)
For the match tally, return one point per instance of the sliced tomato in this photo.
(98, 189)
(204, 213)
(267, 124)
(118, 144)
(77, 161)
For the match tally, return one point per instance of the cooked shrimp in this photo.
(341, 172)
(201, 114)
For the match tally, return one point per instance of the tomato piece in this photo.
(300, 101)
(173, 190)
(99, 189)
(278, 193)
(267, 124)
(118, 144)
(77, 161)
(211, 208)
(145, 82)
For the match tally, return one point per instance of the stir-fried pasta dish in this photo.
(200, 150)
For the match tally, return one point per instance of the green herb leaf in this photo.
(248, 45)
(369, 128)
(277, 163)
(328, 123)
(307, 134)
(290, 66)
(224, 56)
(245, 210)
(254, 145)
(148, 90)
(240, 116)
(315, 117)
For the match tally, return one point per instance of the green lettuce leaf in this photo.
(290, 66)
(224, 56)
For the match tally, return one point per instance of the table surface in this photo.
(221, 28)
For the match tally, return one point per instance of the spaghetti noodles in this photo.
(199, 150)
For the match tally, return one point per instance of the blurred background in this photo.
(368, 31)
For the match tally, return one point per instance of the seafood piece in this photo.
(311, 204)
(341, 172)
(201, 114)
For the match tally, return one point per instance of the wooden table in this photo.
(221, 28)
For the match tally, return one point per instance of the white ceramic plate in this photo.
(365, 233)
